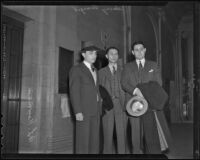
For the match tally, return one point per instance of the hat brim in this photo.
(130, 105)
(90, 48)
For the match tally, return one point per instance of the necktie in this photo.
(114, 70)
(92, 67)
(140, 66)
(94, 76)
(140, 72)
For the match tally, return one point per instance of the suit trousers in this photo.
(118, 120)
(88, 135)
(136, 135)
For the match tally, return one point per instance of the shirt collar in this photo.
(111, 66)
(142, 61)
(87, 64)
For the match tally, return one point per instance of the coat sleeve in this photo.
(75, 93)
(125, 81)
(157, 75)
(159, 97)
(101, 77)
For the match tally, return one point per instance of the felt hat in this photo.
(136, 106)
(107, 103)
(89, 46)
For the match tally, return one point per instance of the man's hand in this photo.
(138, 92)
(79, 116)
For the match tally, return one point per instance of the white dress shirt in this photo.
(137, 90)
(111, 67)
(142, 62)
(94, 75)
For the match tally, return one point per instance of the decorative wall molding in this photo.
(106, 10)
(127, 31)
(156, 16)
(105, 38)
(155, 25)
(15, 15)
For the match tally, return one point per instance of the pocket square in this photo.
(151, 70)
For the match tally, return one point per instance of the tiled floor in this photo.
(182, 135)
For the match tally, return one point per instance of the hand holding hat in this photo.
(138, 92)
(137, 106)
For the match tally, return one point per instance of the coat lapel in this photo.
(118, 72)
(108, 73)
(86, 70)
(146, 66)
(134, 68)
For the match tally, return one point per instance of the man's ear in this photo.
(83, 54)
(145, 50)
(106, 56)
(133, 52)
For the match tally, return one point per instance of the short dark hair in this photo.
(109, 48)
(136, 43)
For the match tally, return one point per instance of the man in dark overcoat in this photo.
(86, 102)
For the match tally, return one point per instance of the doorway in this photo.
(11, 73)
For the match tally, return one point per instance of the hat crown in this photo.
(137, 104)
(87, 44)
(137, 101)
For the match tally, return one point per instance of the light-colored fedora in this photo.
(136, 106)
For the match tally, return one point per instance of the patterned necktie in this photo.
(114, 70)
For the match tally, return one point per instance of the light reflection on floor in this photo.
(182, 135)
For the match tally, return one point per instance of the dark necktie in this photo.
(141, 124)
(114, 70)
(140, 66)
(92, 67)
(140, 72)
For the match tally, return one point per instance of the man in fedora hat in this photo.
(134, 73)
(115, 118)
(86, 102)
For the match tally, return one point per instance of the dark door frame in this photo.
(13, 23)
(196, 145)
(12, 39)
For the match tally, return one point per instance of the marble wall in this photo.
(94, 23)
(43, 129)
(37, 78)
